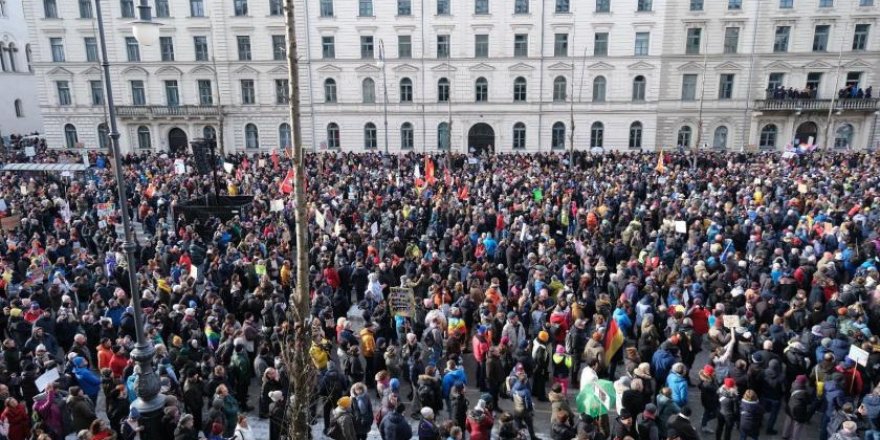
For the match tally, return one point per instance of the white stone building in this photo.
(19, 109)
(511, 75)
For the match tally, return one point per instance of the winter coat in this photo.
(558, 403)
(799, 403)
(661, 365)
(345, 423)
(751, 414)
(708, 392)
(666, 408)
(459, 408)
(647, 428)
(479, 424)
(679, 386)
(562, 431)
(619, 431)
(50, 412)
(728, 401)
(428, 430)
(19, 422)
(88, 381)
(82, 412)
(395, 427)
(362, 410)
(683, 427)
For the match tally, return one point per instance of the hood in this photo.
(79, 362)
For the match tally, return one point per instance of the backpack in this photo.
(426, 394)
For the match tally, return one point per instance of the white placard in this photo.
(47, 378)
(731, 321)
(276, 205)
(228, 167)
(681, 227)
(858, 355)
(179, 167)
(30, 151)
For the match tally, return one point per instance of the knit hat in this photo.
(344, 402)
(625, 414)
(729, 382)
(651, 408)
(849, 427)
(708, 370)
(560, 349)
(543, 336)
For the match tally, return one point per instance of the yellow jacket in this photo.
(368, 343)
(319, 357)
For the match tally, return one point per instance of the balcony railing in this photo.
(854, 104)
(160, 111)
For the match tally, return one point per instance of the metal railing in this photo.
(167, 111)
(857, 104)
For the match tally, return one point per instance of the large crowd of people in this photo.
(530, 279)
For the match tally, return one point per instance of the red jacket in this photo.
(481, 348)
(700, 318)
(480, 428)
(332, 277)
(117, 365)
(19, 422)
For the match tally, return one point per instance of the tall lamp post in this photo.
(149, 401)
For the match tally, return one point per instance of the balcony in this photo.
(814, 105)
(168, 112)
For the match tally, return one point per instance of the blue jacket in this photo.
(87, 380)
(679, 387)
(395, 427)
(661, 363)
(451, 378)
(872, 405)
(522, 392)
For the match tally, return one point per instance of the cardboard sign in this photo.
(731, 321)
(179, 167)
(276, 205)
(10, 223)
(105, 209)
(402, 301)
(228, 167)
(681, 227)
(858, 355)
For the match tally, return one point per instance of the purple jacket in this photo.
(50, 413)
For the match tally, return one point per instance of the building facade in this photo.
(19, 109)
(530, 75)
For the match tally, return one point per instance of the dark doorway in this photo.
(481, 139)
(177, 141)
(804, 132)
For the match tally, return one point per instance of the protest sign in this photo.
(402, 301)
(46, 379)
(681, 227)
(731, 321)
(858, 355)
(276, 205)
(10, 223)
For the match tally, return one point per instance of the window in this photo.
(780, 42)
(519, 136)
(172, 95)
(406, 90)
(814, 79)
(284, 135)
(559, 89)
(2, 59)
(244, 47)
(132, 49)
(206, 94)
(200, 44)
(367, 51)
(19, 109)
(103, 136)
(276, 7)
(481, 7)
(127, 7)
(481, 89)
(866, 2)
(251, 137)
(638, 93)
(519, 89)
(843, 137)
(442, 46)
(50, 9)
(689, 87)
(328, 47)
(860, 36)
(240, 7)
(643, 5)
(826, 3)
(28, 56)
(97, 92)
(600, 44)
(443, 90)
(12, 51)
(330, 90)
(326, 8)
(166, 47)
(597, 135)
(635, 135)
(481, 46)
(365, 8)
(138, 93)
(731, 39)
(684, 137)
(643, 40)
(197, 8)
(57, 45)
(599, 89)
(786, 4)
(332, 135)
(143, 135)
(282, 91)
(603, 6)
(696, 5)
(63, 88)
(248, 92)
(521, 45)
(853, 79)
(774, 81)
(521, 6)
(85, 8)
(560, 45)
(279, 47)
(404, 46)
(725, 86)
(562, 6)
(443, 7)
(734, 5)
(404, 7)
(557, 136)
(443, 136)
(162, 9)
(91, 45)
(371, 138)
(407, 136)
(719, 141)
(820, 38)
(368, 91)
(70, 137)
(768, 137)
(693, 41)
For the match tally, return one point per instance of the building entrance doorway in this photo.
(481, 139)
(177, 141)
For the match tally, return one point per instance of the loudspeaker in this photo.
(202, 156)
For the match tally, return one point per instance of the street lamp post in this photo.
(149, 400)
(385, 90)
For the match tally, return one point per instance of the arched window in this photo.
(12, 51)
(143, 135)
(19, 109)
(284, 138)
(406, 90)
(70, 137)
(638, 88)
(557, 138)
(209, 132)
(368, 90)
(443, 136)
(599, 89)
(29, 56)
(684, 137)
(843, 137)
(333, 135)
(251, 137)
(481, 89)
(330, 90)
(103, 136)
(442, 90)
(768, 137)
(719, 141)
(635, 135)
(559, 89)
(407, 136)
(519, 89)
(519, 136)
(2, 57)
(371, 137)
(597, 135)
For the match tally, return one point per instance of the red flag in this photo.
(151, 189)
(245, 163)
(275, 158)
(463, 193)
(287, 183)
(429, 171)
(613, 340)
(447, 178)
